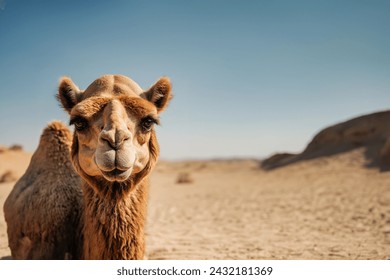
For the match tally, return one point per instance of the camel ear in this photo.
(68, 94)
(159, 94)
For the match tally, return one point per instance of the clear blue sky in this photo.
(250, 78)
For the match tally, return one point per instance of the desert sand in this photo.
(332, 201)
(326, 208)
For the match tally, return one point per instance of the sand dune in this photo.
(335, 205)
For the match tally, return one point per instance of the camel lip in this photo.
(116, 174)
(116, 171)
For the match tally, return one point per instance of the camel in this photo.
(113, 151)
(44, 207)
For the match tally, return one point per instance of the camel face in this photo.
(113, 142)
(113, 121)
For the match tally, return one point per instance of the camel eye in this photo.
(147, 124)
(80, 124)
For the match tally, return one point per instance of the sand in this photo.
(325, 208)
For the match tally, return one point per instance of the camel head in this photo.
(114, 141)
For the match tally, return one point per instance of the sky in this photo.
(250, 78)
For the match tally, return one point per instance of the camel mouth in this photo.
(117, 175)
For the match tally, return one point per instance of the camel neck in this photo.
(114, 225)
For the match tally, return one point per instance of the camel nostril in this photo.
(120, 142)
(122, 136)
(107, 138)
(110, 144)
(115, 138)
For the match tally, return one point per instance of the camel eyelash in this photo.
(79, 123)
(151, 119)
(147, 123)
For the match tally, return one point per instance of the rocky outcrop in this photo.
(371, 131)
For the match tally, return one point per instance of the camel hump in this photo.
(54, 147)
(49, 163)
(55, 134)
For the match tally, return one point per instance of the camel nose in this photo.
(115, 138)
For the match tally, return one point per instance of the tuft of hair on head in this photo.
(68, 94)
